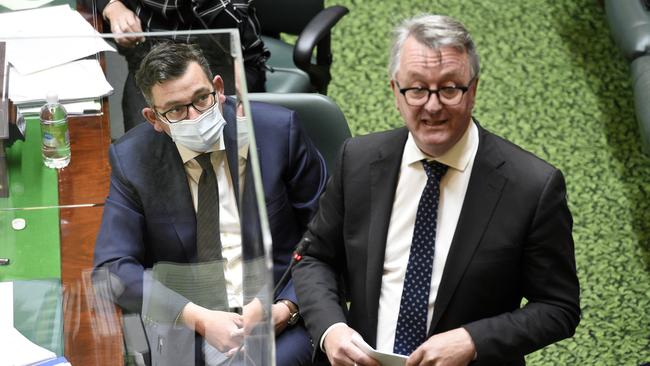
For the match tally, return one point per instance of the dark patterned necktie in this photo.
(411, 329)
(208, 240)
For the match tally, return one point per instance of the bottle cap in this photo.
(52, 97)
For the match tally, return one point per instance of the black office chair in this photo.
(321, 118)
(295, 69)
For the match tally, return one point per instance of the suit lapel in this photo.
(384, 173)
(175, 191)
(230, 141)
(483, 192)
(248, 207)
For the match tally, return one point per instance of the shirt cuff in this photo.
(322, 338)
(179, 318)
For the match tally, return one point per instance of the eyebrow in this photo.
(174, 103)
(445, 76)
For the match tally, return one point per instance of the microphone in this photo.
(298, 253)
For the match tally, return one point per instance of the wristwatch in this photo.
(294, 314)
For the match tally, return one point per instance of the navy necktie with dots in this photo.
(411, 329)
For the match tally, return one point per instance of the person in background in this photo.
(436, 231)
(128, 16)
(173, 178)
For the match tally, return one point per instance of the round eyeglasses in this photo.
(202, 103)
(447, 95)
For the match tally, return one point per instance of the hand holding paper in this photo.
(342, 350)
(384, 359)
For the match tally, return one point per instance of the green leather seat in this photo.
(640, 69)
(321, 118)
(629, 23)
(305, 66)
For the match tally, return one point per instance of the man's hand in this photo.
(221, 329)
(123, 20)
(342, 352)
(454, 347)
(280, 314)
(253, 314)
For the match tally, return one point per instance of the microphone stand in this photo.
(301, 248)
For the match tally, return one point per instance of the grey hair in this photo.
(434, 31)
(168, 61)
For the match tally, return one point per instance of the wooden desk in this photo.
(85, 181)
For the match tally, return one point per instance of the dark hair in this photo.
(168, 61)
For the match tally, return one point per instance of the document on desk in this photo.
(15, 348)
(42, 38)
(91, 107)
(18, 350)
(83, 79)
(6, 305)
(23, 4)
(384, 359)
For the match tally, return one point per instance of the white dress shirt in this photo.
(412, 178)
(229, 224)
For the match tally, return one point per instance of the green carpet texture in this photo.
(553, 82)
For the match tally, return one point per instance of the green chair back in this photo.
(320, 117)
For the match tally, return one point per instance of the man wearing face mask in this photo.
(157, 200)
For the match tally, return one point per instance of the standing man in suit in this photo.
(437, 231)
(153, 214)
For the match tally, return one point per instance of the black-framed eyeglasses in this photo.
(201, 103)
(448, 95)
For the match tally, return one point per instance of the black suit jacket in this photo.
(512, 241)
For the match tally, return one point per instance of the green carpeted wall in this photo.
(553, 82)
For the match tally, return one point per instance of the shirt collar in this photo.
(458, 157)
(243, 139)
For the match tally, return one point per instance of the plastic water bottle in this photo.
(54, 133)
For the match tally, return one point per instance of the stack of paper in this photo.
(45, 47)
(19, 350)
(16, 349)
(72, 81)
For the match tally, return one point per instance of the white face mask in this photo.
(201, 133)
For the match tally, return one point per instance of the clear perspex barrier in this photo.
(127, 310)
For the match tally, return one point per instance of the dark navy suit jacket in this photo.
(149, 216)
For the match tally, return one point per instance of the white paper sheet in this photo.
(384, 359)
(83, 79)
(23, 4)
(42, 38)
(6, 305)
(87, 107)
(17, 350)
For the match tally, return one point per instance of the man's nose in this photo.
(433, 104)
(192, 112)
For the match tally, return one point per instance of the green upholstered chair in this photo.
(641, 80)
(305, 66)
(629, 22)
(321, 118)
